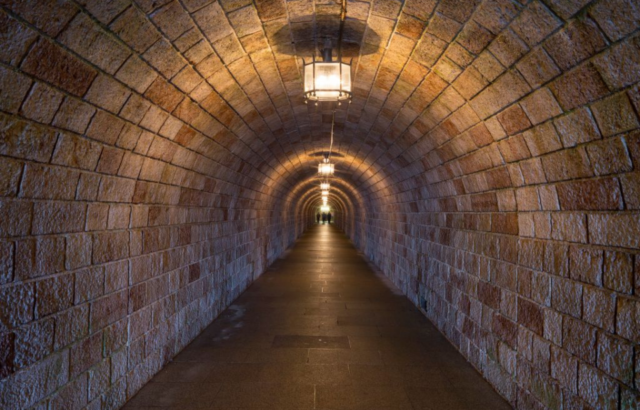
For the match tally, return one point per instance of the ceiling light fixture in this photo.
(326, 168)
(328, 80)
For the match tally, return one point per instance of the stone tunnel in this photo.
(158, 162)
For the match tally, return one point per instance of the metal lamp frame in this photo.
(311, 95)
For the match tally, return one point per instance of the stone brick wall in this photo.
(513, 216)
(135, 201)
(157, 155)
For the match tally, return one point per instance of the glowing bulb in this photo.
(325, 186)
(326, 169)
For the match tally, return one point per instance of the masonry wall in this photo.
(130, 216)
(516, 225)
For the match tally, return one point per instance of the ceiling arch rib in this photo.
(311, 185)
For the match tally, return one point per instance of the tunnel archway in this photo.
(156, 157)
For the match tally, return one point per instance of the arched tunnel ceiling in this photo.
(434, 81)
(425, 71)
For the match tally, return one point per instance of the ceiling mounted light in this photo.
(327, 80)
(326, 168)
(324, 186)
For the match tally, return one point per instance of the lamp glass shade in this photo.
(327, 81)
(326, 169)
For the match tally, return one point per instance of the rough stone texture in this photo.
(488, 165)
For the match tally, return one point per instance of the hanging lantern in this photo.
(327, 80)
(324, 186)
(326, 168)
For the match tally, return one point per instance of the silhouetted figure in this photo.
(318, 217)
(324, 218)
(329, 217)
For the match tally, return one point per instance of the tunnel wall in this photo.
(494, 179)
(516, 223)
(130, 215)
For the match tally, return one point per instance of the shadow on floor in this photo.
(319, 330)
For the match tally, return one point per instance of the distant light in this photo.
(325, 208)
(326, 168)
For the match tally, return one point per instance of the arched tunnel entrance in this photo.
(159, 186)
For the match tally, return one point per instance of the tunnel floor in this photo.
(319, 330)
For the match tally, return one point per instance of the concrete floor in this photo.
(319, 330)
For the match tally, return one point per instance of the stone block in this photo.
(618, 271)
(16, 305)
(58, 217)
(53, 65)
(53, 295)
(599, 308)
(579, 86)
(74, 115)
(579, 339)
(34, 342)
(108, 309)
(596, 388)
(45, 182)
(71, 326)
(566, 296)
(89, 284)
(85, 354)
(615, 358)
(40, 256)
(41, 104)
(108, 94)
(595, 195)
(110, 246)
